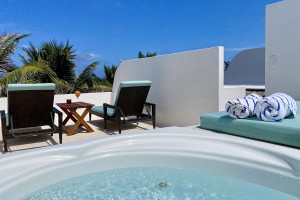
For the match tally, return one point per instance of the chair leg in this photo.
(119, 125)
(90, 115)
(105, 122)
(60, 136)
(154, 115)
(5, 145)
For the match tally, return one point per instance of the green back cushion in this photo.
(286, 132)
(131, 84)
(39, 86)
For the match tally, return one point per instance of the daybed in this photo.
(286, 132)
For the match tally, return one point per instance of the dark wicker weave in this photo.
(29, 109)
(131, 103)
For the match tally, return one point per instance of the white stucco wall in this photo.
(94, 98)
(247, 68)
(230, 92)
(184, 85)
(283, 48)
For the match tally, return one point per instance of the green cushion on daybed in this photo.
(110, 111)
(38, 86)
(286, 132)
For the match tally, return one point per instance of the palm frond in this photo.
(32, 73)
(110, 73)
(86, 77)
(7, 47)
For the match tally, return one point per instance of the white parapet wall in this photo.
(230, 92)
(94, 98)
(184, 85)
(283, 48)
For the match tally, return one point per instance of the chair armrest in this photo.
(55, 110)
(149, 104)
(106, 105)
(3, 121)
(117, 109)
(60, 115)
(153, 109)
(3, 118)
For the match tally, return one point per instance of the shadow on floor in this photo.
(112, 128)
(33, 141)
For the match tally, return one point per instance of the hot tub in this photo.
(271, 166)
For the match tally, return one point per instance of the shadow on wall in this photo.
(184, 85)
(247, 68)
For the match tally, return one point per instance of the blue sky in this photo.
(110, 31)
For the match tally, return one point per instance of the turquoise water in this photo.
(155, 183)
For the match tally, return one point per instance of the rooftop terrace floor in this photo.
(97, 124)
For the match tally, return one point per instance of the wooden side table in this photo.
(70, 110)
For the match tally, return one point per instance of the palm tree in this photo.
(88, 81)
(52, 62)
(226, 63)
(59, 57)
(38, 72)
(110, 73)
(8, 42)
(141, 55)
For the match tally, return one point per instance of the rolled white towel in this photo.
(276, 107)
(242, 108)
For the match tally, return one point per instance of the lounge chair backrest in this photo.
(131, 97)
(30, 105)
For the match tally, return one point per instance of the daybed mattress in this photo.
(286, 132)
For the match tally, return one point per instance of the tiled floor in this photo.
(97, 125)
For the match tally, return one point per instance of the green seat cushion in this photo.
(286, 132)
(99, 109)
(7, 119)
(38, 86)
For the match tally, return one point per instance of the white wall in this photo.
(283, 48)
(94, 98)
(247, 68)
(230, 92)
(184, 85)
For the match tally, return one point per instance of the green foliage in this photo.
(34, 73)
(110, 73)
(51, 62)
(88, 81)
(226, 65)
(59, 57)
(8, 42)
(141, 55)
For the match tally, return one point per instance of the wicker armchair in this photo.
(130, 105)
(30, 106)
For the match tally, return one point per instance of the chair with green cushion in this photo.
(130, 102)
(30, 112)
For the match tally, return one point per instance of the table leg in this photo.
(80, 121)
(69, 116)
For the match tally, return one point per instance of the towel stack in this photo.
(276, 107)
(272, 108)
(242, 108)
